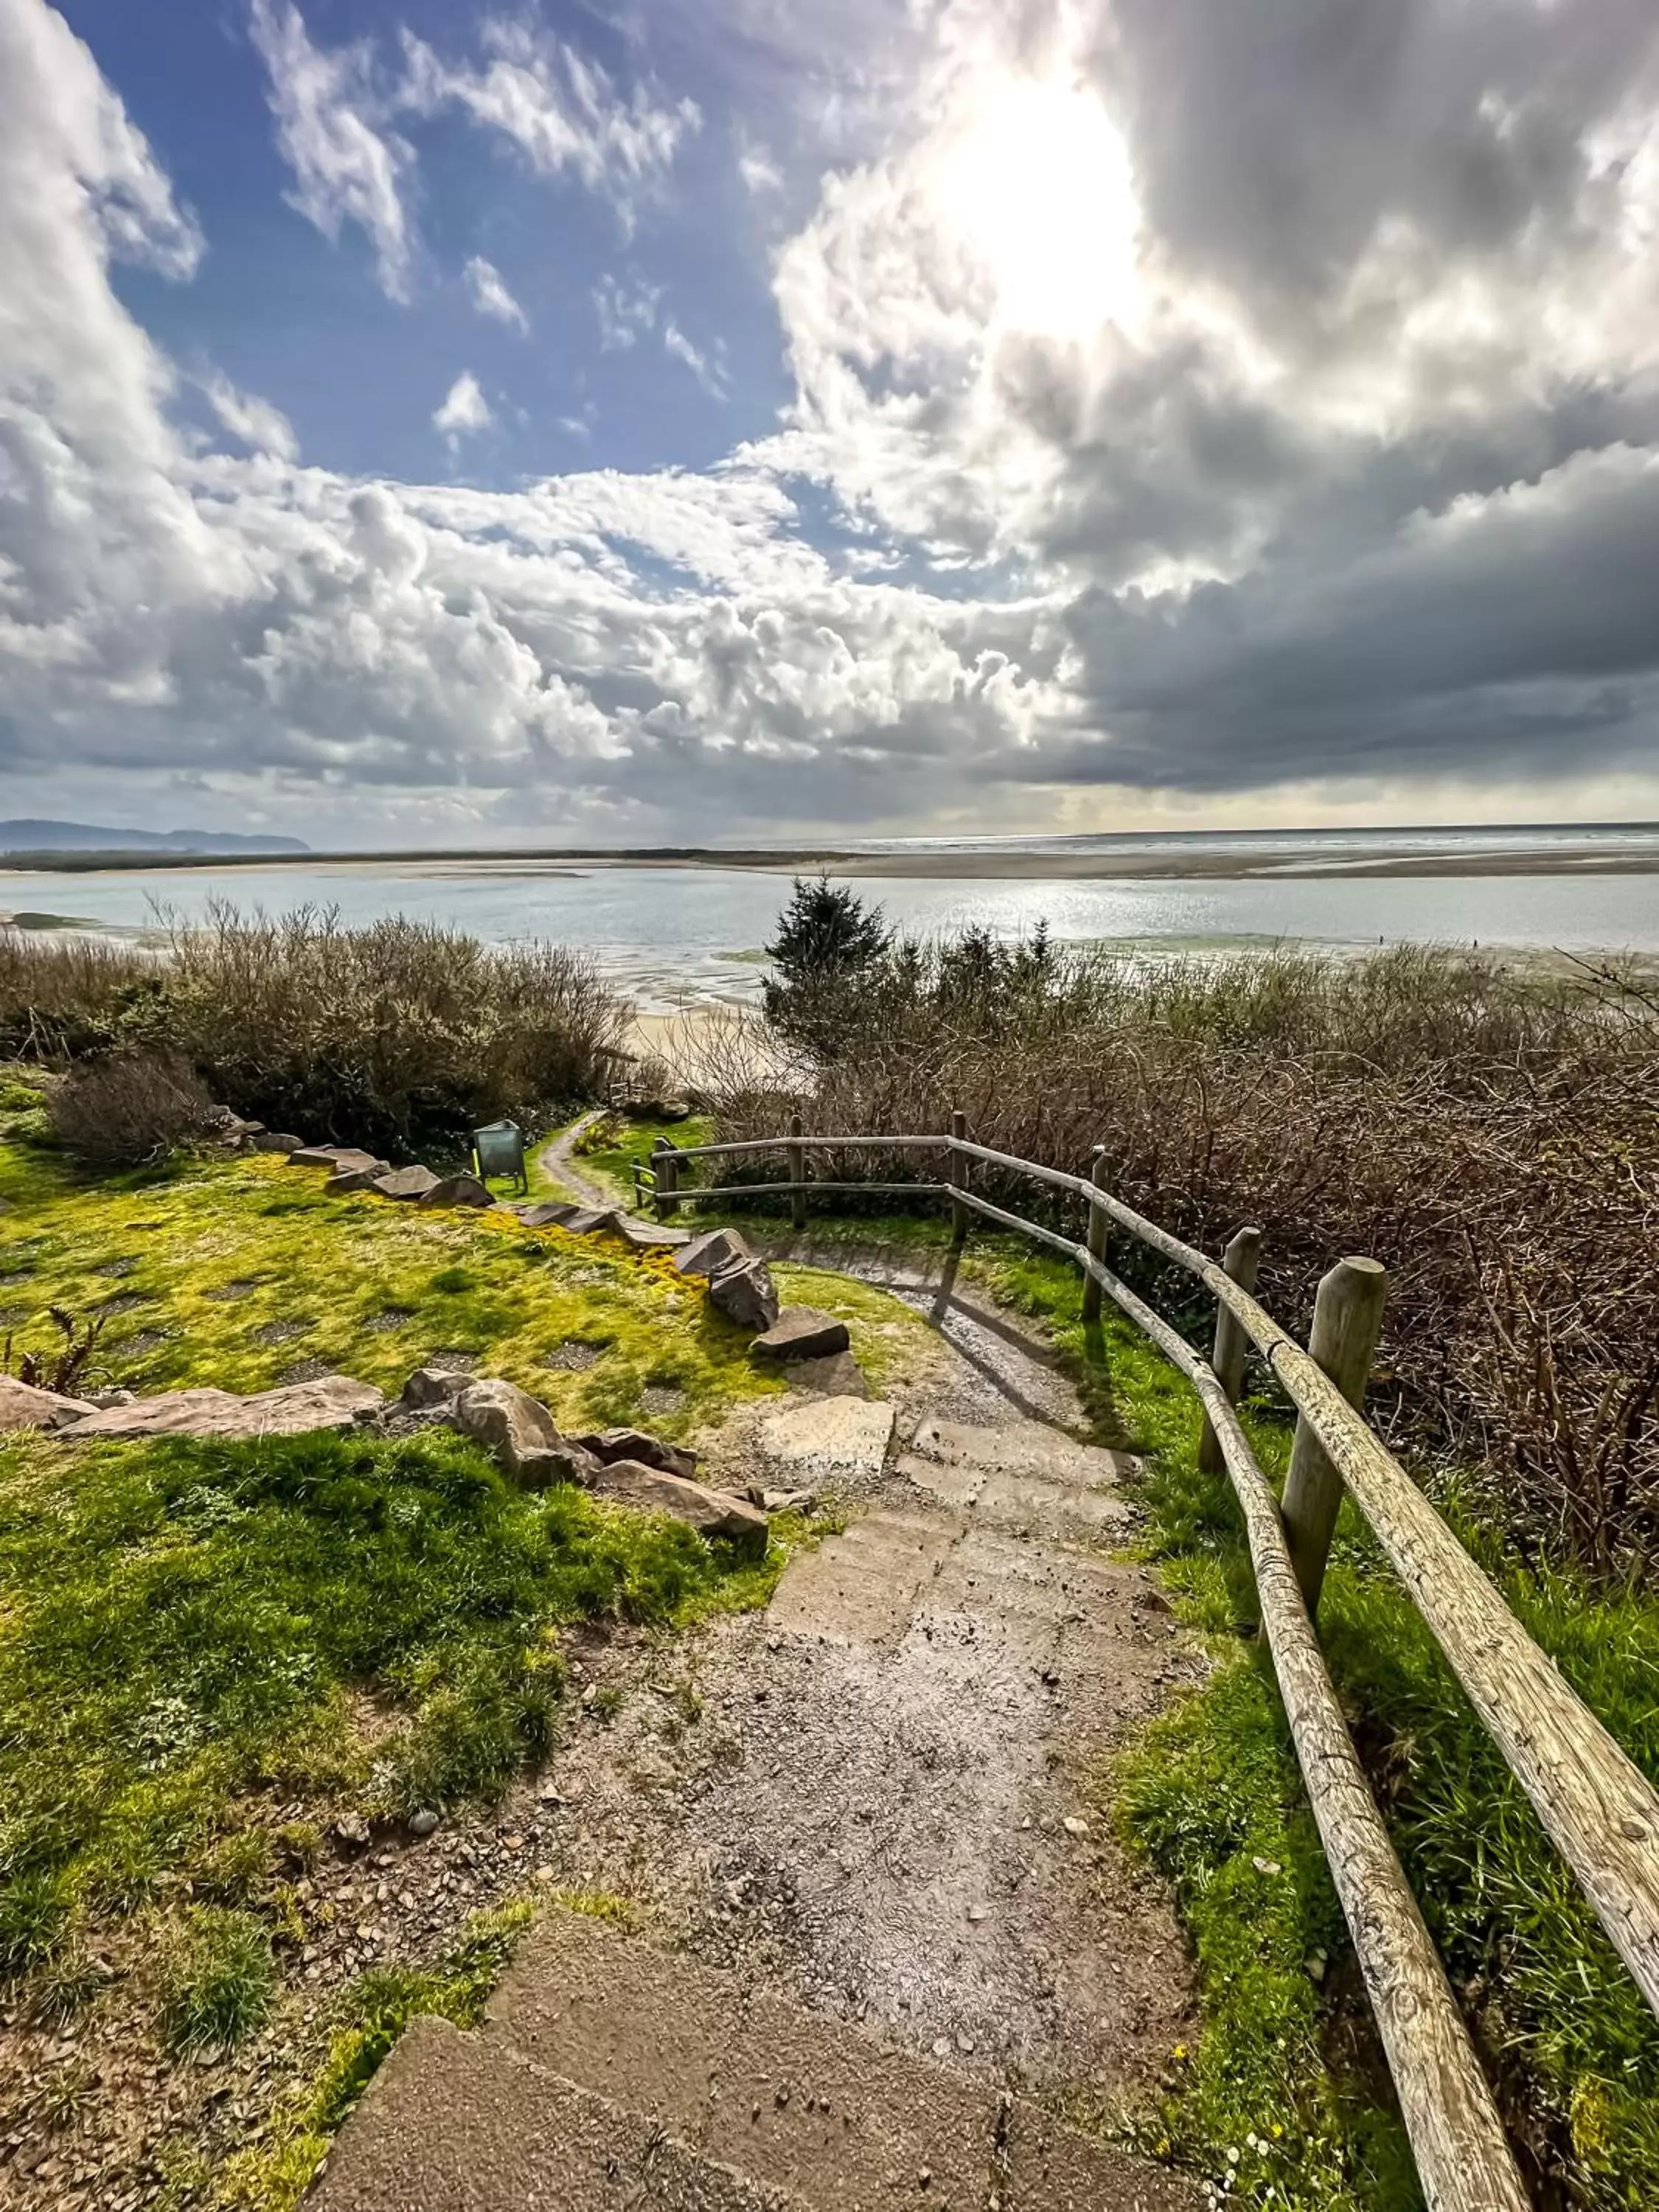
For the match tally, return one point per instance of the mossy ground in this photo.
(210, 1651)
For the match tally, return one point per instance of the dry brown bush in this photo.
(130, 1109)
(1493, 1139)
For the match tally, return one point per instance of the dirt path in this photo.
(558, 1159)
(861, 1831)
(882, 1793)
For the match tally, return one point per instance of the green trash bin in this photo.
(498, 1149)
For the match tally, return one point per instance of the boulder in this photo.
(519, 1434)
(406, 1182)
(802, 1333)
(710, 1512)
(332, 1402)
(457, 1190)
(744, 1293)
(714, 1250)
(339, 1158)
(611, 1445)
(23, 1406)
(353, 1178)
(430, 1387)
(275, 1140)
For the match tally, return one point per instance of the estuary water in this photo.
(681, 936)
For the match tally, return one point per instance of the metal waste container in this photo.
(498, 1149)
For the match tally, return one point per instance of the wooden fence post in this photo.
(1095, 1238)
(960, 1214)
(1239, 1259)
(1347, 1322)
(797, 1177)
(667, 1174)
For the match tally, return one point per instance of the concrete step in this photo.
(611, 2076)
(453, 2124)
(1024, 1477)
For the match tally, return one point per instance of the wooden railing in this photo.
(1600, 1811)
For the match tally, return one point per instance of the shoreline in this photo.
(1263, 863)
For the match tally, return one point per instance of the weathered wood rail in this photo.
(1599, 1810)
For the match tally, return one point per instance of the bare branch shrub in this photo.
(130, 1109)
(1493, 1137)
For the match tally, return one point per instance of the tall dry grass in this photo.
(397, 1035)
(1492, 1138)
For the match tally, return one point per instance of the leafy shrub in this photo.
(130, 1109)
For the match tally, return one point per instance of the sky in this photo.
(701, 421)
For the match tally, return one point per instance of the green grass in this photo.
(273, 2176)
(192, 1631)
(1212, 1795)
(232, 1271)
(217, 1979)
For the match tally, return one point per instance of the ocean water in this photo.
(684, 936)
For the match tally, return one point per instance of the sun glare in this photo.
(1037, 186)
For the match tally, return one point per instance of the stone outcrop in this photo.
(710, 1512)
(354, 1178)
(802, 1333)
(743, 1292)
(612, 1444)
(519, 1434)
(333, 1401)
(707, 1253)
(457, 1190)
(415, 1182)
(339, 1159)
(23, 1406)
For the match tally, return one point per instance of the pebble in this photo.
(423, 1822)
(1074, 1826)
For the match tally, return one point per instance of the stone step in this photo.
(453, 2124)
(1024, 1477)
(794, 2100)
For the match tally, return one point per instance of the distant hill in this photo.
(84, 837)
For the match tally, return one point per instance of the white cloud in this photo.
(562, 111)
(348, 167)
(255, 422)
(490, 295)
(463, 411)
(759, 172)
(711, 375)
(626, 311)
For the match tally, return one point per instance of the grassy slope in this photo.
(197, 1636)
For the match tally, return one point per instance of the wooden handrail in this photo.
(1596, 1806)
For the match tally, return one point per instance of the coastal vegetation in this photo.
(399, 1036)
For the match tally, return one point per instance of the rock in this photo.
(710, 1512)
(714, 1250)
(611, 1445)
(352, 1831)
(23, 1406)
(802, 1333)
(355, 1178)
(674, 1109)
(519, 1434)
(340, 1157)
(332, 1402)
(549, 1213)
(457, 1190)
(406, 1182)
(839, 1377)
(588, 1219)
(781, 1501)
(423, 1823)
(428, 1387)
(274, 1140)
(648, 1236)
(744, 1294)
(101, 1399)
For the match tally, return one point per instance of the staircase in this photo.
(610, 2076)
